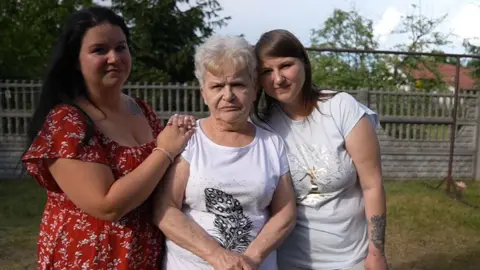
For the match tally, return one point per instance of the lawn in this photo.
(426, 229)
(22, 204)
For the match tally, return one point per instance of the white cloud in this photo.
(390, 19)
(465, 23)
(253, 17)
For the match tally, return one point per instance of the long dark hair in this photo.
(64, 81)
(282, 43)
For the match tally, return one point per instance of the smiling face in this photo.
(282, 78)
(229, 94)
(105, 60)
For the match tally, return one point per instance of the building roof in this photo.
(447, 71)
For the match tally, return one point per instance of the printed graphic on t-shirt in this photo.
(232, 226)
(316, 165)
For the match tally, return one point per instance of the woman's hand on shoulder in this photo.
(173, 139)
(181, 120)
(176, 134)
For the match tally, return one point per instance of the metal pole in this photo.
(449, 178)
(453, 129)
(393, 52)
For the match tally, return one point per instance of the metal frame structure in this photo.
(448, 180)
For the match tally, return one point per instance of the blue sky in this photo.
(253, 17)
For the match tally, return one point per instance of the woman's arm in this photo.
(277, 228)
(363, 147)
(92, 186)
(183, 231)
(169, 218)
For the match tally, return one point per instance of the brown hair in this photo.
(282, 43)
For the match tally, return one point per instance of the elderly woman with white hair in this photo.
(228, 201)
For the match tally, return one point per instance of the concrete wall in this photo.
(400, 159)
(402, 156)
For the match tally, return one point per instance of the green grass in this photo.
(426, 229)
(22, 204)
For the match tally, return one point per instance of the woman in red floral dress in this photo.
(99, 153)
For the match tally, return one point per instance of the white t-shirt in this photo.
(331, 231)
(228, 193)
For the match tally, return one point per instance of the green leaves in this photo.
(474, 64)
(28, 32)
(349, 30)
(164, 35)
(347, 70)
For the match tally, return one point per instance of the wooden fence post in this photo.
(477, 141)
(363, 97)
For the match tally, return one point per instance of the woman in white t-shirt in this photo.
(334, 160)
(228, 202)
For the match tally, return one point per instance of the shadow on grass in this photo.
(444, 261)
(469, 197)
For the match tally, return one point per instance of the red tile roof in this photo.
(447, 71)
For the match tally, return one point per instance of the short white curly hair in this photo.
(219, 52)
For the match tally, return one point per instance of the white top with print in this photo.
(228, 193)
(331, 231)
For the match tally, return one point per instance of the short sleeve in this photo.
(284, 166)
(187, 152)
(61, 137)
(151, 116)
(347, 111)
(279, 147)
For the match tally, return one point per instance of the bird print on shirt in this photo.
(232, 226)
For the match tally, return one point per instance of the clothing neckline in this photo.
(290, 120)
(107, 140)
(201, 133)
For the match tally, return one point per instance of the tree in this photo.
(421, 32)
(374, 71)
(164, 36)
(28, 30)
(350, 30)
(474, 64)
(444, 59)
(347, 30)
(422, 36)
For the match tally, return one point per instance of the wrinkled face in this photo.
(282, 78)
(229, 95)
(104, 57)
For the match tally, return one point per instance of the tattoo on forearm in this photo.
(133, 107)
(377, 233)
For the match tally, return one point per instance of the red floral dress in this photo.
(70, 238)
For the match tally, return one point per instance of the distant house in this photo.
(446, 73)
(422, 76)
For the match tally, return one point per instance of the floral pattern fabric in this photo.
(69, 238)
